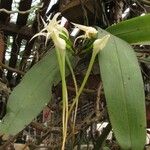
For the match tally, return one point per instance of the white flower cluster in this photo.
(53, 30)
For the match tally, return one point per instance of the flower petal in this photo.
(56, 16)
(61, 28)
(90, 32)
(58, 42)
(44, 23)
(47, 37)
(81, 27)
(38, 34)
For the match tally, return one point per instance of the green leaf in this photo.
(136, 30)
(124, 92)
(33, 93)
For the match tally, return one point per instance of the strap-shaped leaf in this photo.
(29, 98)
(136, 30)
(124, 91)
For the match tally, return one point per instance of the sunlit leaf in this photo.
(33, 93)
(136, 30)
(124, 92)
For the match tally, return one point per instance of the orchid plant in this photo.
(119, 72)
(53, 30)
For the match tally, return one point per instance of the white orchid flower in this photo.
(52, 30)
(59, 42)
(99, 44)
(90, 32)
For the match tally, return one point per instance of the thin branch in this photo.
(11, 69)
(21, 12)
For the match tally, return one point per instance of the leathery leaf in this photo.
(136, 30)
(33, 93)
(124, 92)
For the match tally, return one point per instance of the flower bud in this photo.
(90, 32)
(99, 44)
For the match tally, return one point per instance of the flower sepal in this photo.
(99, 44)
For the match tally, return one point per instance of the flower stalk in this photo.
(98, 45)
(54, 31)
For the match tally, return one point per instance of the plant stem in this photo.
(84, 81)
(72, 73)
(76, 91)
(61, 62)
